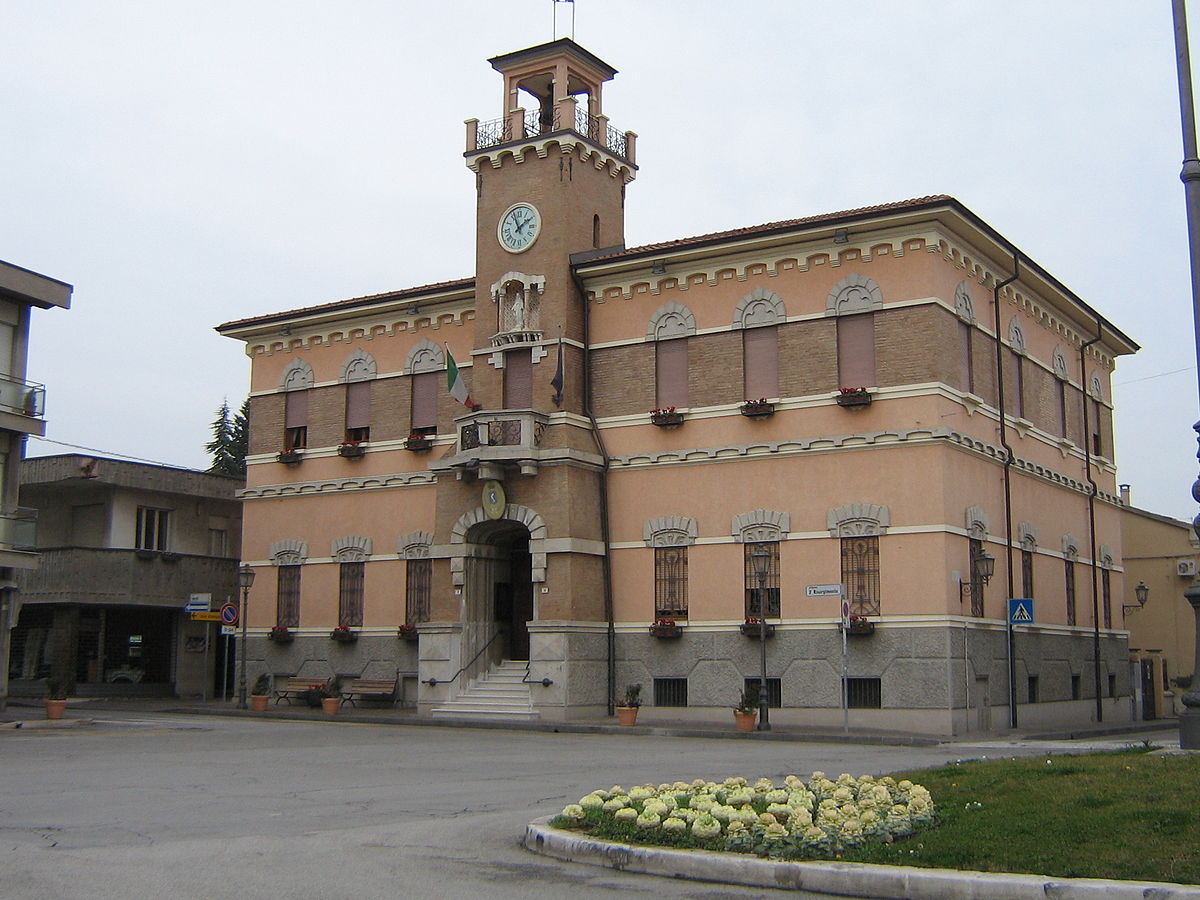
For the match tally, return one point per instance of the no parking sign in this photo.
(229, 614)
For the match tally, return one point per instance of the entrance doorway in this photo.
(502, 579)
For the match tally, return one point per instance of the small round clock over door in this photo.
(519, 227)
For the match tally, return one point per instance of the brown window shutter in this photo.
(760, 350)
(424, 400)
(296, 409)
(518, 379)
(967, 358)
(856, 350)
(672, 372)
(358, 404)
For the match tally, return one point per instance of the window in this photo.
(1061, 399)
(1020, 386)
(1076, 688)
(350, 593)
(518, 379)
(295, 420)
(760, 360)
(418, 578)
(1112, 685)
(774, 690)
(287, 597)
(670, 582)
(768, 587)
(671, 373)
(856, 350)
(860, 574)
(1069, 574)
(1097, 440)
(152, 528)
(967, 357)
(424, 403)
(358, 411)
(1032, 688)
(864, 693)
(974, 552)
(1026, 573)
(218, 542)
(670, 692)
(1106, 596)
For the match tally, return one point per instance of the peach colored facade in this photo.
(557, 522)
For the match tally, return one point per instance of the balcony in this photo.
(22, 405)
(523, 124)
(18, 530)
(489, 441)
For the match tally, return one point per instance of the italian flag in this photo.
(455, 384)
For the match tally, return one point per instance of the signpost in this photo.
(838, 591)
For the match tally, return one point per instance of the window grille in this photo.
(769, 589)
(974, 552)
(670, 582)
(1026, 573)
(860, 574)
(1069, 576)
(1106, 596)
(670, 692)
(774, 693)
(416, 602)
(350, 593)
(864, 693)
(287, 597)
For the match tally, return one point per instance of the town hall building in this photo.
(589, 465)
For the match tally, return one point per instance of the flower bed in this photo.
(817, 819)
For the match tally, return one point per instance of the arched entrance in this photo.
(499, 580)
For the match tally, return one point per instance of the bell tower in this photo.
(550, 182)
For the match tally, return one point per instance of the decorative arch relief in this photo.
(297, 376)
(761, 525)
(977, 523)
(1016, 336)
(1028, 537)
(426, 356)
(670, 531)
(1096, 388)
(415, 545)
(1106, 556)
(288, 553)
(759, 307)
(858, 520)
(350, 549)
(1059, 361)
(359, 366)
(513, 512)
(853, 294)
(1070, 547)
(964, 306)
(671, 320)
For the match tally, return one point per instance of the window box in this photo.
(666, 628)
(860, 625)
(753, 626)
(666, 418)
(408, 633)
(343, 635)
(757, 409)
(351, 450)
(169, 556)
(280, 635)
(418, 443)
(290, 457)
(854, 397)
(142, 553)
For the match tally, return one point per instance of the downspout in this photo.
(1008, 462)
(1093, 489)
(605, 531)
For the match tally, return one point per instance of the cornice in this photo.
(383, 324)
(566, 142)
(339, 485)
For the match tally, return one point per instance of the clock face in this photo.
(519, 227)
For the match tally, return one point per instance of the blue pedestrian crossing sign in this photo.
(1020, 610)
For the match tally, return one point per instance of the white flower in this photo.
(706, 826)
(573, 811)
(626, 814)
(776, 796)
(674, 825)
(592, 801)
(649, 820)
(615, 804)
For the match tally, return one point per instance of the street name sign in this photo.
(824, 590)
(206, 617)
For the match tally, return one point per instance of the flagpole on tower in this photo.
(554, 22)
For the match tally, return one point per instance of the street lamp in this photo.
(760, 559)
(983, 566)
(245, 580)
(1141, 593)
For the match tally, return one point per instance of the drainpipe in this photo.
(1093, 489)
(1008, 462)
(605, 530)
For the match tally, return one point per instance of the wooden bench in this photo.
(295, 686)
(356, 689)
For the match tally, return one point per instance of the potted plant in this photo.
(418, 442)
(280, 635)
(331, 695)
(757, 408)
(665, 628)
(407, 632)
(627, 709)
(854, 396)
(343, 634)
(260, 694)
(56, 699)
(754, 625)
(747, 707)
(289, 456)
(666, 417)
(860, 625)
(351, 449)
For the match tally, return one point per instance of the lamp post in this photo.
(245, 580)
(1141, 593)
(760, 558)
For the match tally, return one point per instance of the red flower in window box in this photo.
(757, 408)
(860, 625)
(290, 455)
(351, 449)
(666, 416)
(418, 442)
(344, 634)
(854, 396)
(666, 628)
(407, 633)
(281, 635)
(753, 626)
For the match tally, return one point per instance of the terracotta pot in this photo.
(627, 715)
(745, 720)
(55, 708)
(330, 705)
(258, 702)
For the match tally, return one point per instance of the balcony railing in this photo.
(595, 128)
(18, 529)
(104, 575)
(511, 437)
(25, 398)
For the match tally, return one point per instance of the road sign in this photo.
(198, 603)
(206, 617)
(824, 590)
(229, 614)
(228, 630)
(1020, 610)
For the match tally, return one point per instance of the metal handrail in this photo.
(544, 682)
(434, 682)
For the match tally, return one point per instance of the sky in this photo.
(184, 164)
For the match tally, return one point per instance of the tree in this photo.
(229, 443)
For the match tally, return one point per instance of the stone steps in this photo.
(497, 695)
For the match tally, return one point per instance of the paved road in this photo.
(160, 805)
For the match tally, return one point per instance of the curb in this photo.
(837, 879)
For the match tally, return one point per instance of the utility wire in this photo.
(112, 453)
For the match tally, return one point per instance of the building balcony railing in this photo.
(25, 398)
(507, 437)
(525, 124)
(18, 529)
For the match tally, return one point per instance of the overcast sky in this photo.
(184, 164)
